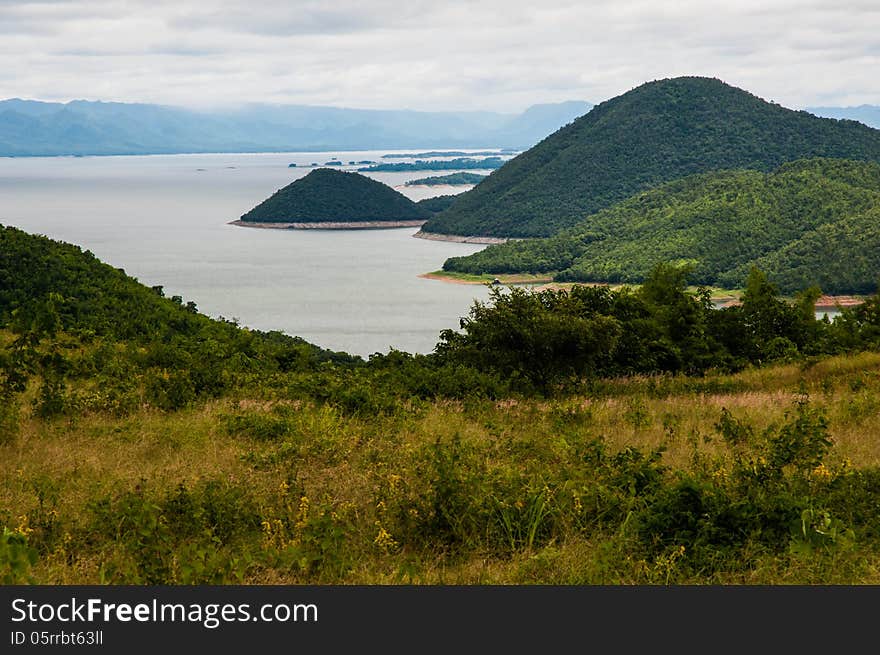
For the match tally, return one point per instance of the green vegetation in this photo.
(593, 436)
(487, 163)
(452, 178)
(330, 195)
(442, 153)
(658, 132)
(811, 222)
(518, 278)
(437, 203)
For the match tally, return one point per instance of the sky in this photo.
(437, 55)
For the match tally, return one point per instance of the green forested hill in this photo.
(658, 132)
(809, 222)
(329, 195)
(48, 285)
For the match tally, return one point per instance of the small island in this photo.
(444, 153)
(332, 199)
(453, 179)
(459, 163)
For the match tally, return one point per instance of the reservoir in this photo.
(164, 220)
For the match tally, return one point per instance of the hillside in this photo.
(588, 436)
(437, 203)
(658, 132)
(42, 277)
(809, 222)
(326, 195)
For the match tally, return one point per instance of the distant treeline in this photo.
(488, 163)
(451, 179)
(443, 153)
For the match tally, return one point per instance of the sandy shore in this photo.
(350, 225)
(545, 284)
(524, 278)
(824, 302)
(432, 236)
(838, 301)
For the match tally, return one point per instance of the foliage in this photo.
(16, 557)
(485, 163)
(545, 339)
(588, 436)
(330, 195)
(658, 132)
(437, 203)
(453, 178)
(48, 288)
(811, 222)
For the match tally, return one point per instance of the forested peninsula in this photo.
(810, 222)
(658, 132)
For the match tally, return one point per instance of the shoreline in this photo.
(331, 225)
(434, 236)
(517, 278)
(546, 283)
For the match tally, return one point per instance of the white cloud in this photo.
(455, 54)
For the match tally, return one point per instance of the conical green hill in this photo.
(326, 195)
(655, 133)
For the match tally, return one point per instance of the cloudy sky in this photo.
(433, 54)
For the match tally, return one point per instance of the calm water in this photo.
(164, 219)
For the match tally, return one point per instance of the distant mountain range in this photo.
(79, 127)
(867, 114)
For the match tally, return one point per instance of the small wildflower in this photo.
(821, 472)
(24, 527)
(384, 541)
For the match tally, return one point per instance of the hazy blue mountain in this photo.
(538, 121)
(29, 127)
(867, 114)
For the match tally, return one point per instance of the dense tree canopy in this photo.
(460, 178)
(660, 131)
(437, 203)
(329, 195)
(469, 163)
(810, 222)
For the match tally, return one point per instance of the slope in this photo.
(789, 222)
(660, 131)
(327, 195)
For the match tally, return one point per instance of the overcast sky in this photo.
(500, 55)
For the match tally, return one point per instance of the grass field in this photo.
(769, 476)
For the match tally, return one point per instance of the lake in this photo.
(164, 220)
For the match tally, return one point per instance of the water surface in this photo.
(164, 220)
